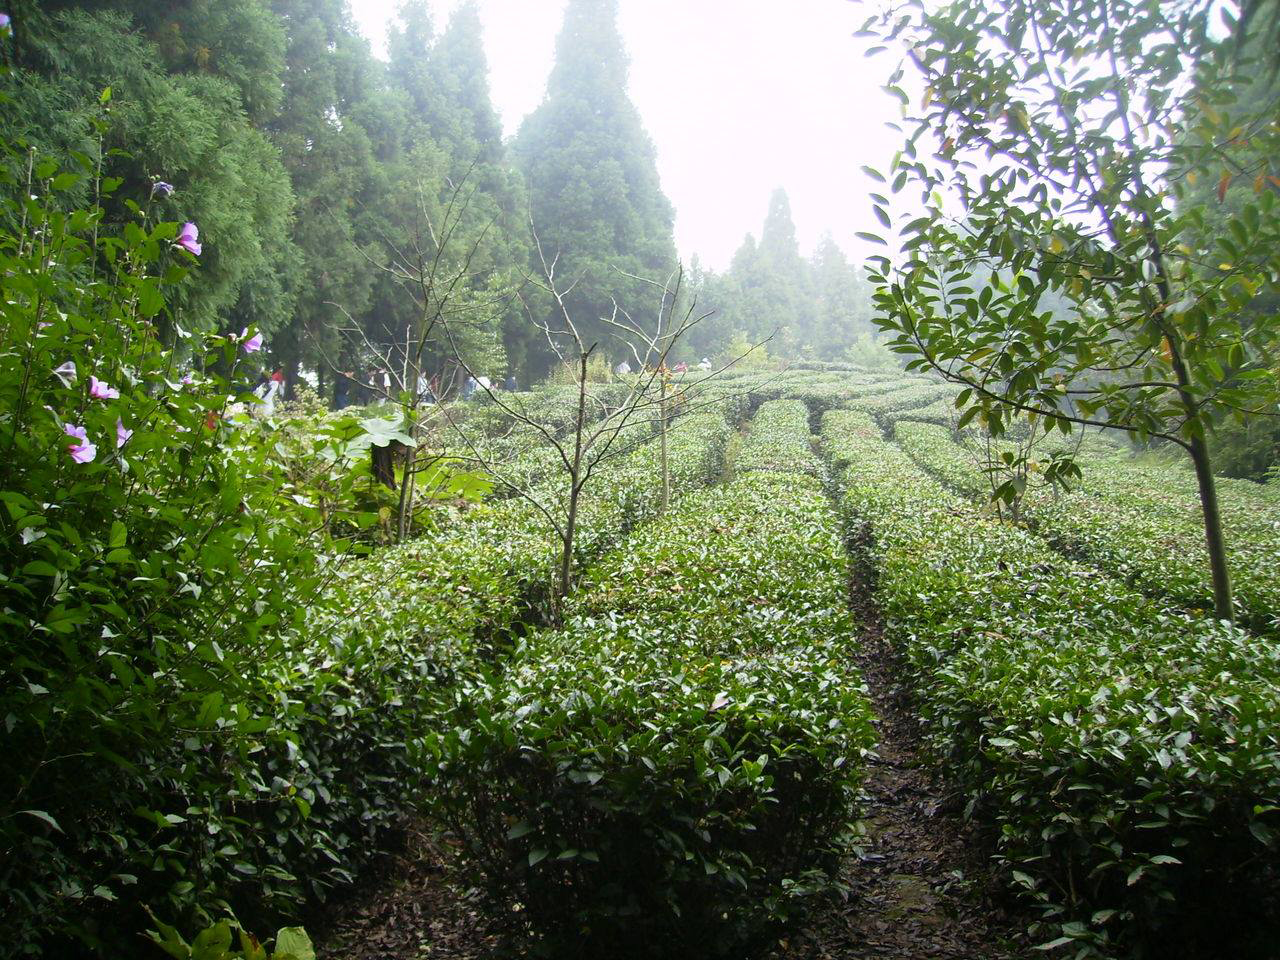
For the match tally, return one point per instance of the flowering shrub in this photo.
(147, 576)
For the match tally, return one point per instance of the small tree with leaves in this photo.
(1053, 141)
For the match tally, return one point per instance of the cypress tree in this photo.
(595, 196)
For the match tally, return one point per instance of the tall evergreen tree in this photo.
(785, 285)
(331, 160)
(842, 308)
(595, 195)
(459, 70)
(453, 184)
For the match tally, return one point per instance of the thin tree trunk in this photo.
(1223, 607)
(662, 435)
(566, 556)
(575, 490)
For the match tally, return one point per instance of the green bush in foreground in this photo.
(672, 773)
(1129, 755)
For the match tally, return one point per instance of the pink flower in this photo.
(188, 378)
(122, 435)
(100, 391)
(83, 451)
(188, 239)
(252, 344)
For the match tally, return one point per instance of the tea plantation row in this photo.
(1140, 524)
(1125, 753)
(281, 791)
(675, 770)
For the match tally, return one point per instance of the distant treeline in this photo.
(321, 176)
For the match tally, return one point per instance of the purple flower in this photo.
(162, 189)
(188, 378)
(82, 451)
(252, 344)
(100, 391)
(188, 239)
(122, 435)
(4, 23)
(66, 373)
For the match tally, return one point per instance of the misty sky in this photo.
(740, 97)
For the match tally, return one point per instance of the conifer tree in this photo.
(168, 118)
(459, 70)
(595, 195)
(453, 169)
(331, 160)
(842, 308)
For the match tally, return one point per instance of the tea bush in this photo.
(916, 395)
(676, 770)
(1139, 522)
(1127, 753)
(779, 439)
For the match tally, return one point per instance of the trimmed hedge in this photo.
(895, 404)
(779, 440)
(1139, 522)
(676, 770)
(1128, 754)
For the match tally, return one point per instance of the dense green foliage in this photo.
(1067, 134)
(1126, 752)
(207, 702)
(676, 769)
(340, 195)
(150, 571)
(244, 643)
(1139, 524)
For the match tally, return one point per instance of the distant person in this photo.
(469, 388)
(510, 384)
(266, 391)
(704, 365)
(680, 367)
(622, 369)
(486, 383)
(342, 390)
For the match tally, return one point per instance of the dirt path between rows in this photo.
(924, 888)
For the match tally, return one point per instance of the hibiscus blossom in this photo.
(82, 451)
(100, 391)
(189, 239)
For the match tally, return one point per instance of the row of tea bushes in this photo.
(896, 404)
(398, 629)
(779, 439)
(274, 801)
(676, 770)
(960, 467)
(1140, 523)
(1126, 753)
(1154, 538)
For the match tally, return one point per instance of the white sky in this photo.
(739, 96)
